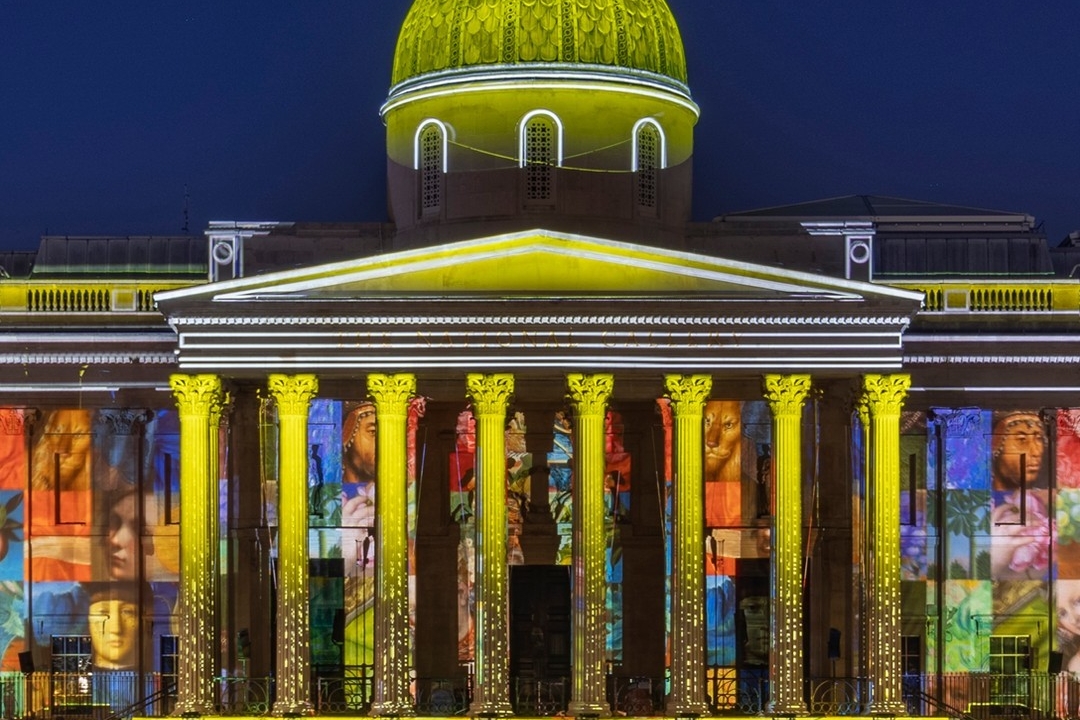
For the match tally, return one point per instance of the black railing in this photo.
(965, 696)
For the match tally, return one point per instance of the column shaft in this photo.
(293, 396)
(490, 395)
(688, 395)
(884, 397)
(197, 398)
(589, 395)
(391, 394)
(785, 394)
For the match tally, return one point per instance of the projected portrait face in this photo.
(1018, 450)
(358, 456)
(114, 628)
(122, 538)
(722, 436)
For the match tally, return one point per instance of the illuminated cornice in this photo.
(88, 358)
(540, 77)
(991, 360)
(509, 321)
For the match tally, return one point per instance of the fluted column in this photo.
(198, 397)
(391, 394)
(884, 397)
(865, 569)
(293, 395)
(589, 395)
(490, 395)
(688, 395)
(785, 395)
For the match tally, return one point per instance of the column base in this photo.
(887, 709)
(391, 708)
(292, 709)
(686, 709)
(491, 709)
(583, 709)
(191, 709)
(788, 709)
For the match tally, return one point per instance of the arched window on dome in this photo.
(430, 160)
(540, 153)
(649, 157)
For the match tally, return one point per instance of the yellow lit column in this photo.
(391, 394)
(293, 394)
(589, 395)
(688, 395)
(785, 395)
(884, 397)
(198, 397)
(490, 395)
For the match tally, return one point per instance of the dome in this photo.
(616, 35)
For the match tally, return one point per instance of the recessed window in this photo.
(541, 153)
(649, 157)
(430, 160)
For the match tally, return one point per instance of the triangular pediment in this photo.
(533, 264)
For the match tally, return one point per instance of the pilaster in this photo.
(198, 397)
(392, 395)
(785, 395)
(883, 398)
(293, 395)
(688, 394)
(589, 395)
(490, 395)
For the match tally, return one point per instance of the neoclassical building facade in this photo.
(540, 444)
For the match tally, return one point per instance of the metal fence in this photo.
(119, 695)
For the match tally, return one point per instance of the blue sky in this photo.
(111, 111)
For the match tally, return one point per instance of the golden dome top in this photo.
(637, 36)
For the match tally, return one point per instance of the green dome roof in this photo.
(441, 35)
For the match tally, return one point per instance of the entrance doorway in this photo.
(539, 639)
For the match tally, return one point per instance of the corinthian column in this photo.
(391, 394)
(785, 394)
(490, 395)
(293, 394)
(589, 395)
(883, 398)
(198, 397)
(688, 394)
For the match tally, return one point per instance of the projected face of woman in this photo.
(122, 539)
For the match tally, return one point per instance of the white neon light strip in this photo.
(994, 388)
(70, 388)
(539, 77)
(634, 150)
(444, 134)
(316, 363)
(567, 335)
(523, 141)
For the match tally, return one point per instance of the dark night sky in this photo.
(268, 110)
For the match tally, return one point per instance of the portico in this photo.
(662, 326)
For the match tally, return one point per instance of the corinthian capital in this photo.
(589, 393)
(688, 393)
(293, 393)
(786, 393)
(489, 393)
(885, 394)
(196, 394)
(392, 393)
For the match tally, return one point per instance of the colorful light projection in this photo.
(738, 476)
(103, 533)
(980, 489)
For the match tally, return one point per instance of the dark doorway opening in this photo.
(540, 637)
